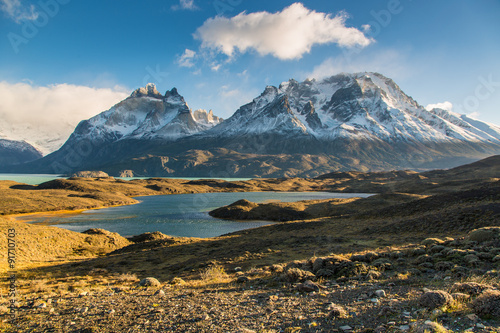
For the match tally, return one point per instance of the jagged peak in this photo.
(148, 91)
(171, 93)
(269, 90)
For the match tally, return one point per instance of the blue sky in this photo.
(437, 51)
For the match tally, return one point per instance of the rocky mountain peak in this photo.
(148, 91)
(205, 117)
(172, 93)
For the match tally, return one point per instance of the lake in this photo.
(184, 215)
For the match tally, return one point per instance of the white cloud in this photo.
(186, 5)
(40, 114)
(216, 67)
(186, 59)
(445, 106)
(17, 11)
(391, 63)
(285, 35)
(474, 115)
(448, 106)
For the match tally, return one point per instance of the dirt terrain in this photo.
(392, 262)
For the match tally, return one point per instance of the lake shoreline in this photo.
(182, 215)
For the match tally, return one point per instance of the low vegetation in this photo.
(423, 256)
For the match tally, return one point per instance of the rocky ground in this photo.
(435, 286)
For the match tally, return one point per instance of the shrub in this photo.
(214, 273)
(487, 304)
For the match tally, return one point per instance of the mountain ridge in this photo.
(360, 121)
(14, 152)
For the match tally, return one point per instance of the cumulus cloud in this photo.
(186, 59)
(17, 11)
(46, 116)
(186, 5)
(285, 35)
(445, 106)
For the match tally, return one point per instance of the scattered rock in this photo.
(273, 298)
(307, 287)
(472, 317)
(177, 281)
(159, 293)
(242, 279)
(149, 282)
(434, 299)
(380, 293)
(428, 327)
(336, 311)
(346, 328)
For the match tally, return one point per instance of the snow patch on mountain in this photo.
(146, 114)
(361, 105)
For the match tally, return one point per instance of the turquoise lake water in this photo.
(34, 179)
(184, 215)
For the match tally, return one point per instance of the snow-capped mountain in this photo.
(361, 105)
(16, 152)
(145, 114)
(360, 121)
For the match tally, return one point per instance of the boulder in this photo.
(435, 299)
(149, 282)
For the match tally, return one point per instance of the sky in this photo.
(67, 60)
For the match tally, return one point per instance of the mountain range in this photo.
(13, 152)
(360, 121)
